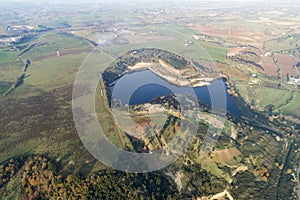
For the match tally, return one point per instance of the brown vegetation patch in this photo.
(234, 72)
(62, 53)
(227, 33)
(25, 119)
(270, 68)
(234, 51)
(225, 155)
(286, 64)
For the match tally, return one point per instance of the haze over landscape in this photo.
(150, 99)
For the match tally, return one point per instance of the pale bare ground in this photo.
(284, 23)
(155, 112)
(179, 176)
(154, 108)
(211, 120)
(199, 82)
(271, 22)
(234, 133)
(158, 115)
(234, 51)
(176, 178)
(140, 66)
(221, 195)
(170, 74)
(218, 196)
(126, 123)
(297, 30)
(242, 168)
(225, 155)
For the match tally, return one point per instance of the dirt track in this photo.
(63, 53)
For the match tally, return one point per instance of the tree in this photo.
(252, 102)
(269, 109)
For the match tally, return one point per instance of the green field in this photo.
(275, 46)
(9, 71)
(292, 108)
(198, 50)
(263, 96)
(241, 24)
(43, 155)
(54, 71)
(201, 50)
(7, 56)
(52, 42)
(4, 86)
(43, 102)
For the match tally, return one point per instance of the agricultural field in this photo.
(4, 86)
(49, 44)
(292, 108)
(253, 49)
(269, 66)
(282, 44)
(96, 36)
(196, 51)
(260, 96)
(9, 71)
(7, 56)
(286, 64)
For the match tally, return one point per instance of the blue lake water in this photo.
(143, 86)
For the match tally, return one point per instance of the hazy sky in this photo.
(227, 3)
(140, 1)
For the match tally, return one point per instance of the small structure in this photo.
(294, 80)
(196, 37)
(187, 43)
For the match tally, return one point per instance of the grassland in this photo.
(106, 120)
(4, 86)
(52, 42)
(263, 96)
(50, 129)
(9, 71)
(54, 71)
(38, 117)
(205, 51)
(43, 105)
(241, 24)
(219, 158)
(275, 46)
(282, 44)
(197, 50)
(7, 56)
(293, 107)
